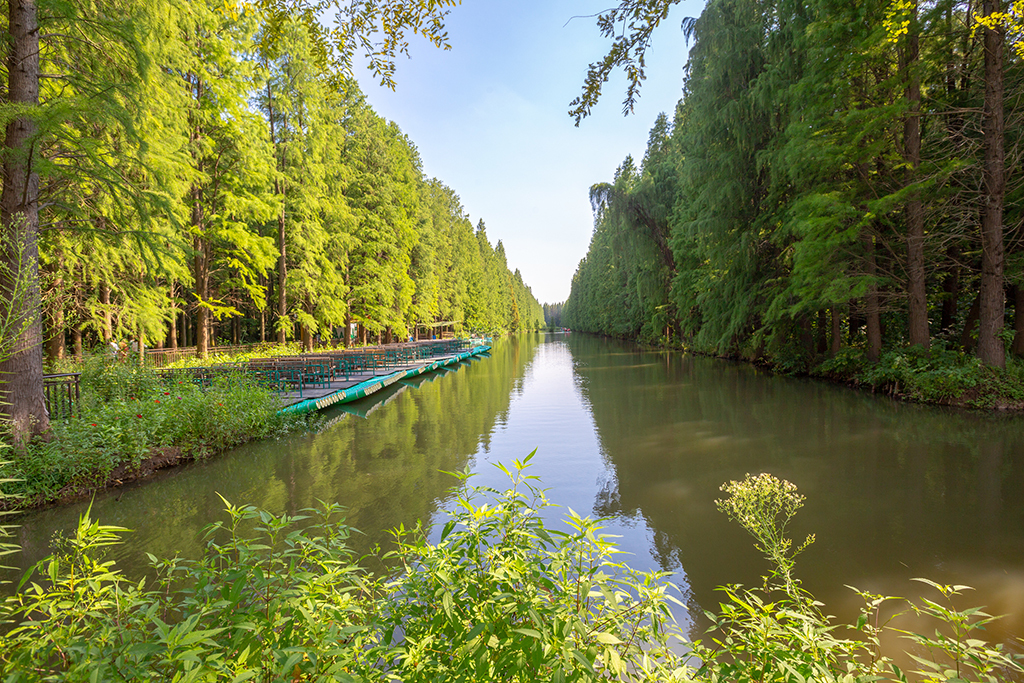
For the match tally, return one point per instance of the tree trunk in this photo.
(56, 339)
(76, 342)
(108, 315)
(967, 338)
(172, 337)
(201, 274)
(282, 265)
(21, 371)
(917, 293)
(951, 290)
(307, 339)
(856, 321)
(872, 312)
(346, 335)
(992, 300)
(823, 332)
(837, 332)
(1018, 320)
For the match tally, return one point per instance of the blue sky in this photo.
(490, 120)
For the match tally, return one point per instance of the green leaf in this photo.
(607, 638)
(528, 632)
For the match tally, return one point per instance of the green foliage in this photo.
(784, 188)
(962, 656)
(936, 375)
(128, 414)
(266, 602)
(503, 597)
(216, 358)
(255, 190)
(778, 633)
(500, 596)
(621, 288)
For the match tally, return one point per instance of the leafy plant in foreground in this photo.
(499, 597)
(267, 602)
(502, 597)
(778, 633)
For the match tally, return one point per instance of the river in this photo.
(645, 438)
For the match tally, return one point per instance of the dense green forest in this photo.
(553, 314)
(839, 178)
(208, 173)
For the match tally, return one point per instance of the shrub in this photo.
(500, 597)
(272, 604)
(777, 632)
(127, 412)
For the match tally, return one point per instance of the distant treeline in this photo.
(836, 175)
(209, 175)
(553, 314)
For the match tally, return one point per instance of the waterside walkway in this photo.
(357, 386)
(314, 381)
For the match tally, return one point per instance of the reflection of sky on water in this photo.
(645, 438)
(549, 413)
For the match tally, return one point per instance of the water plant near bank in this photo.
(940, 375)
(501, 596)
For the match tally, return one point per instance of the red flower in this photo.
(93, 424)
(138, 416)
(156, 400)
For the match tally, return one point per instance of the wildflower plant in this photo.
(764, 505)
(778, 633)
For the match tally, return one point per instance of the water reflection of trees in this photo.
(386, 470)
(894, 490)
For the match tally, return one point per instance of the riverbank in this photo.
(936, 376)
(133, 421)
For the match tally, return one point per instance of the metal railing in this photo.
(63, 392)
(320, 368)
(161, 357)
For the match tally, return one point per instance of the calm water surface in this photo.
(644, 438)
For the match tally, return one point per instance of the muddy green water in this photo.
(645, 438)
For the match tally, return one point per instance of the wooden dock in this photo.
(359, 385)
